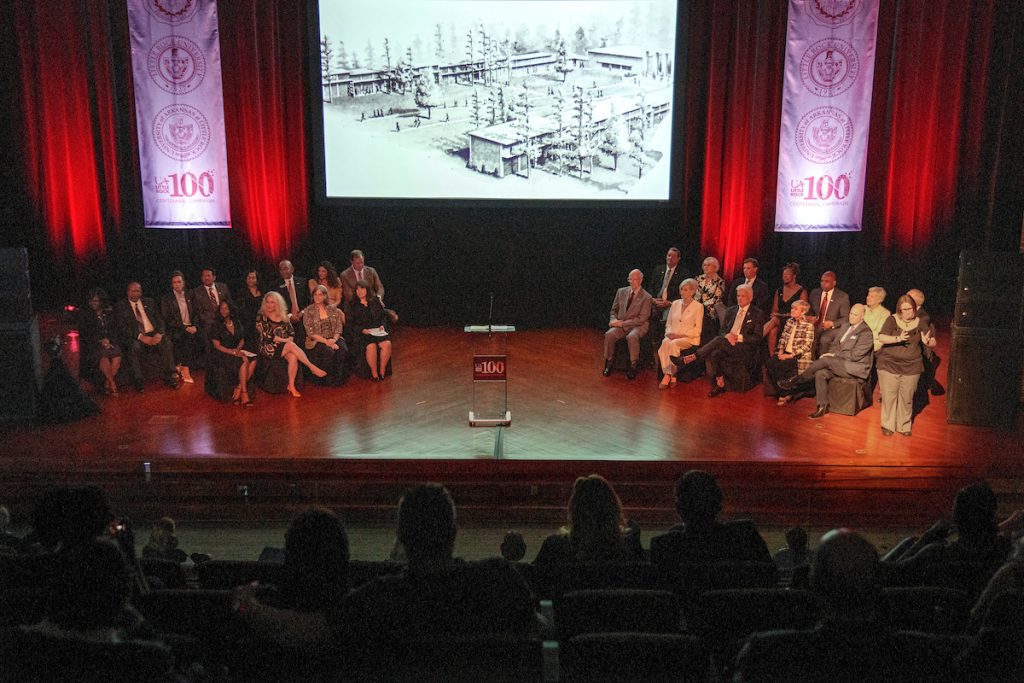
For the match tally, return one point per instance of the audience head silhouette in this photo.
(426, 523)
(93, 588)
(974, 512)
(68, 516)
(845, 574)
(698, 498)
(595, 514)
(316, 556)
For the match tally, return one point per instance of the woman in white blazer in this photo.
(682, 329)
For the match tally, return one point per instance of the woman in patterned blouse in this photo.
(324, 322)
(276, 339)
(710, 291)
(793, 353)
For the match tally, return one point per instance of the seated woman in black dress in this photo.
(230, 364)
(250, 298)
(324, 323)
(366, 317)
(98, 334)
(276, 339)
(597, 532)
(790, 291)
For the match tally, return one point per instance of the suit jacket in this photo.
(128, 325)
(857, 349)
(735, 541)
(638, 313)
(348, 282)
(838, 305)
(673, 284)
(301, 295)
(203, 305)
(752, 327)
(762, 293)
(172, 314)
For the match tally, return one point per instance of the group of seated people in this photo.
(85, 558)
(313, 324)
(797, 339)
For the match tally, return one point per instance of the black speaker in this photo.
(20, 370)
(984, 376)
(15, 295)
(990, 290)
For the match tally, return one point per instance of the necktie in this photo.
(789, 343)
(629, 301)
(213, 295)
(664, 284)
(822, 309)
(138, 316)
(843, 338)
(737, 324)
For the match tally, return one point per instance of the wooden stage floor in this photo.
(367, 439)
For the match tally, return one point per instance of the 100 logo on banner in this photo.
(187, 184)
(821, 187)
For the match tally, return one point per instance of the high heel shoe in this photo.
(246, 401)
(236, 396)
(294, 392)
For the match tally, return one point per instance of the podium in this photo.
(489, 406)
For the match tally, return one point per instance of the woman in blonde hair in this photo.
(276, 339)
(597, 531)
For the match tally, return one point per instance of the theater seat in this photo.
(647, 657)
(616, 611)
(848, 395)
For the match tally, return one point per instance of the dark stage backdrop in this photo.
(944, 167)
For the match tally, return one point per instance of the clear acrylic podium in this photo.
(490, 380)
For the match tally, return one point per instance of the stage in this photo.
(357, 447)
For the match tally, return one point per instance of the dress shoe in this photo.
(937, 389)
(139, 387)
(886, 432)
(904, 433)
(665, 381)
(788, 384)
(717, 391)
(607, 368)
(820, 412)
(631, 373)
(683, 359)
(172, 383)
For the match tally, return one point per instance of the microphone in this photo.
(490, 314)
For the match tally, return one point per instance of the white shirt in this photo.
(139, 311)
(737, 324)
(183, 308)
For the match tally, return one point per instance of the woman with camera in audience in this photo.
(598, 530)
(276, 339)
(229, 361)
(367, 317)
(791, 291)
(710, 292)
(899, 364)
(327, 276)
(682, 329)
(98, 333)
(324, 323)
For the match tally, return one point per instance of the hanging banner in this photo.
(179, 107)
(826, 112)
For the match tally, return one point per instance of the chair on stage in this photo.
(848, 395)
(271, 375)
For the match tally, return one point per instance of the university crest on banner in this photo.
(826, 113)
(179, 107)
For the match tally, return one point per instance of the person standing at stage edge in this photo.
(630, 319)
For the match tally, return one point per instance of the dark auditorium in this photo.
(288, 290)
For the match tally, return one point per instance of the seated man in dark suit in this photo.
(740, 337)
(701, 538)
(849, 356)
(664, 287)
(630, 319)
(182, 324)
(141, 328)
(829, 308)
(762, 292)
(853, 641)
(206, 299)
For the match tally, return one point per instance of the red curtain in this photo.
(68, 122)
(263, 50)
(945, 104)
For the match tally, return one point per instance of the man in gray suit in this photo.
(849, 356)
(829, 308)
(360, 271)
(630, 317)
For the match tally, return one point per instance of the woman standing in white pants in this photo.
(682, 329)
(899, 364)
